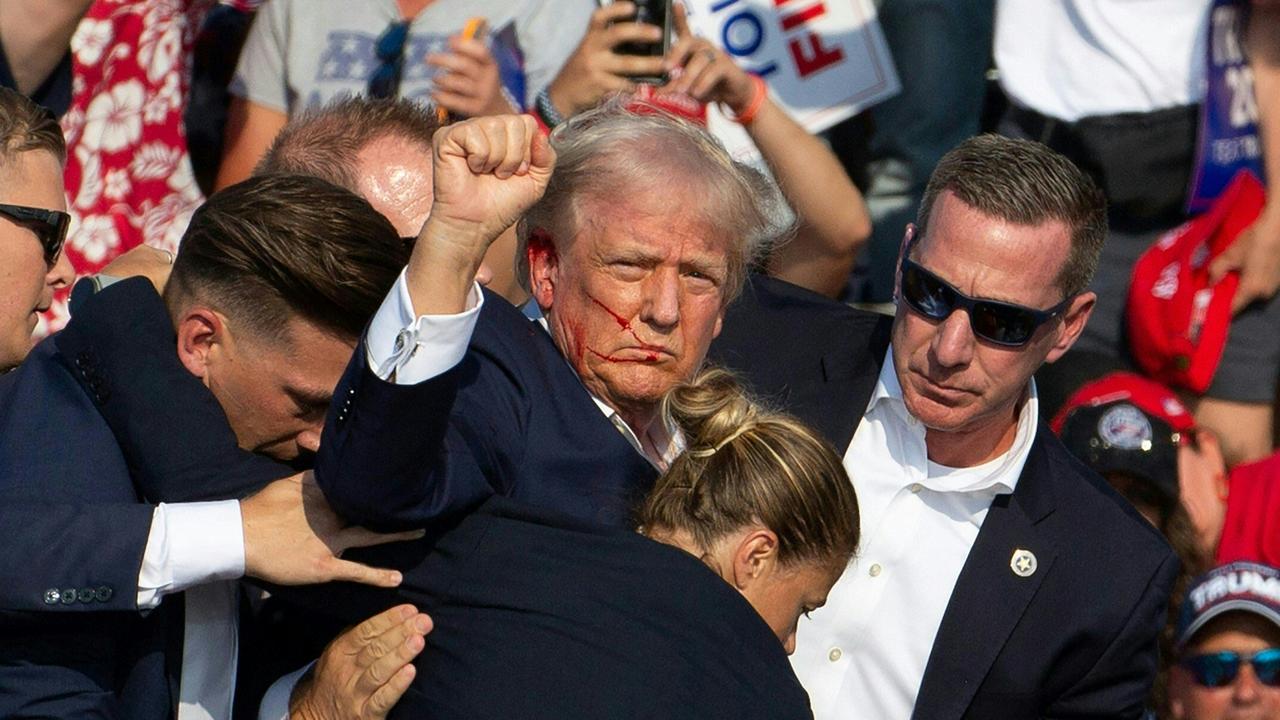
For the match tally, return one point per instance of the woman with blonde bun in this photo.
(758, 497)
(540, 616)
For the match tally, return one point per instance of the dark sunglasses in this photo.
(994, 321)
(1220, 669)
(50, 226)
(385, 80)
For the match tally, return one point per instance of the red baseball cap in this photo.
(1177, 321)
(1124, 422)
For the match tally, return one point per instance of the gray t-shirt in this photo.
(303, 53)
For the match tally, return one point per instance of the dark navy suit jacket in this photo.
(77, 509)
(1076, 639)
(511, 419)
(526, 596)
(541, 616)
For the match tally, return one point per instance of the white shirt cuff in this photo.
(190, 544)
(406, 348)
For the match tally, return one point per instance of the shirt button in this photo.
(834, 655)
(916, 487)
(875, 570)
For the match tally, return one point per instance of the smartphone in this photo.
(652, 12)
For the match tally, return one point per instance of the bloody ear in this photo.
(540, 253)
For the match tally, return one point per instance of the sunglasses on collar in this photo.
(1221, 668)
(389, 49)
(50, 227)
(1000, 323)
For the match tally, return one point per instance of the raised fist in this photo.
(488, 172)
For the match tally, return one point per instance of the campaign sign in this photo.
(1228, 141)
(824, 60)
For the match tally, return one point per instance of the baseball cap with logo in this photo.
(1124, 422)
(1243, 586)
(1178, 322)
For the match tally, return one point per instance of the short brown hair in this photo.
(745, 465)
(326, 141)
(282, 246)
(1026, 183)
(25, 126)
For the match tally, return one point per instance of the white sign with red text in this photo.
(824, 60)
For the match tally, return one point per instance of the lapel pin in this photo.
(1023, 563)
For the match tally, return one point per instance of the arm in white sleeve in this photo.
(406, 348)
(190, 544)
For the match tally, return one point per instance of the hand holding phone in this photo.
(598, 68)
(468, 82)
(705, 72)
(649, 12)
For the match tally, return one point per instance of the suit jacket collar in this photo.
(851, 373)
(989, 597)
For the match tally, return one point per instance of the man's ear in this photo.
(755, 557)
(1074, 319)
(544, 266)
(200, 333)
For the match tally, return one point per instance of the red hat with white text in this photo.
(1177, 321)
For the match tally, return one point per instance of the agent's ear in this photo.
(544, 267)
(201, 332)
(755, 557)
(1073, 322)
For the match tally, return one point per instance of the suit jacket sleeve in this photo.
(74, 558)
(175, 437)
(400, 457)
(1120, 683)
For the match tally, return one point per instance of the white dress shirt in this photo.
(864, 653)
(199, 548)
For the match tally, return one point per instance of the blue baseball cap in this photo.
(1243, 586)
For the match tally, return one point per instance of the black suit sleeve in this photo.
(122, 349)
(75, 558)
(1118, 685)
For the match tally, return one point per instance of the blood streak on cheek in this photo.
(578, 336)
(625, 325)
(651, 357)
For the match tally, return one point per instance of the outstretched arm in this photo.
(36, 34)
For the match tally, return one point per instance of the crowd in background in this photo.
(186, 125)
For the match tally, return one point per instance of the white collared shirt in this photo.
(199, 547)
(864, 653)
